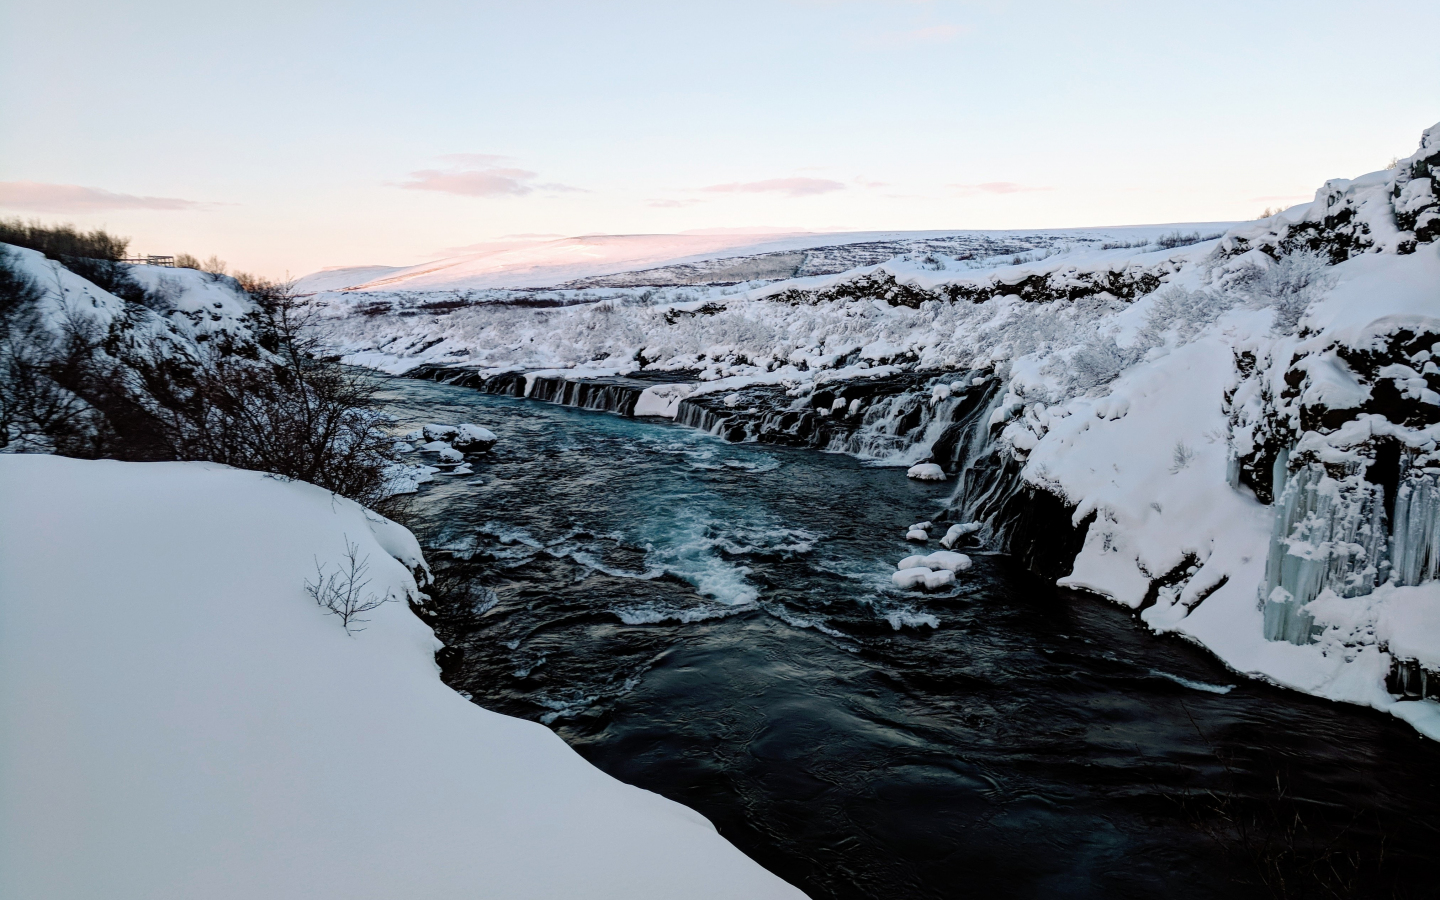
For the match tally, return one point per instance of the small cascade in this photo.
(617, 395)
(614, 395)
(900, 428)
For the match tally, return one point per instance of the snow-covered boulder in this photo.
(948, 560)
(926, 472)
(473, 438)
(919, 535)
(920, 576)
(940, 559)
(182, 720)
(662, 400)
(956, 532)
(909, 578)
(434, 432)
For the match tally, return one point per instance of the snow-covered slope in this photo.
(1246, 429)
(661, 259)
(181, 720)
(182, 308)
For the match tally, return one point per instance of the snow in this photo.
(182, 720)
(924, 471)
(470, 436)
(1131, 382)
(910, 577)
(545, 263)
(955, 532)
(663, 400)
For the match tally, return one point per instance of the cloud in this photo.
(790, 187)
(478, 175)
(666, 203)
(491, 182)
(997, 187)
(72, 198)
(866, 183)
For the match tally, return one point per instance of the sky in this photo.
(289, 136)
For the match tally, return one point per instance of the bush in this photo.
(62, 241)
(94, 255)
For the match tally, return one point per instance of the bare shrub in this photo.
(1181, 457)
(60, 241)
(343, 592)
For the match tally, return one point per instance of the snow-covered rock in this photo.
(941, 559)
(920, 576)
(435, 432)
(662, 400)
(917, 534)
(473, 438)
(910, 577)
(955, 533)
(926, 471)
(182, 720)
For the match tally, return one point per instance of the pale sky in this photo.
(286, 137)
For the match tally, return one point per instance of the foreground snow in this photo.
(182, 720)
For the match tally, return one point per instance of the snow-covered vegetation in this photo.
(1243, 426)
(182, 720)
(103, 359)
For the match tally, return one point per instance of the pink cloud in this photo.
(997, 187)
(73, 198)
(791, 187)
(478, 175)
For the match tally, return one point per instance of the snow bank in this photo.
(182, 720)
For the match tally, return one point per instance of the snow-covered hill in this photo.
(625, 260)
(181, 720)
(1244, 431)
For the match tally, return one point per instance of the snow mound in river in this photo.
(182, 720)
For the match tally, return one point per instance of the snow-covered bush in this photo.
(85, 373)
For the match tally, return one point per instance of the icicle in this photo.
(1328, 534)
(1415, 543)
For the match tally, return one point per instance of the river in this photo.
(715, 622)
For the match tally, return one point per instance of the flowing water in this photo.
(715, 622)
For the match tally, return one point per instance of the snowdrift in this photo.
(182, 720)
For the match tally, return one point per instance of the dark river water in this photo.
(715, 622)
